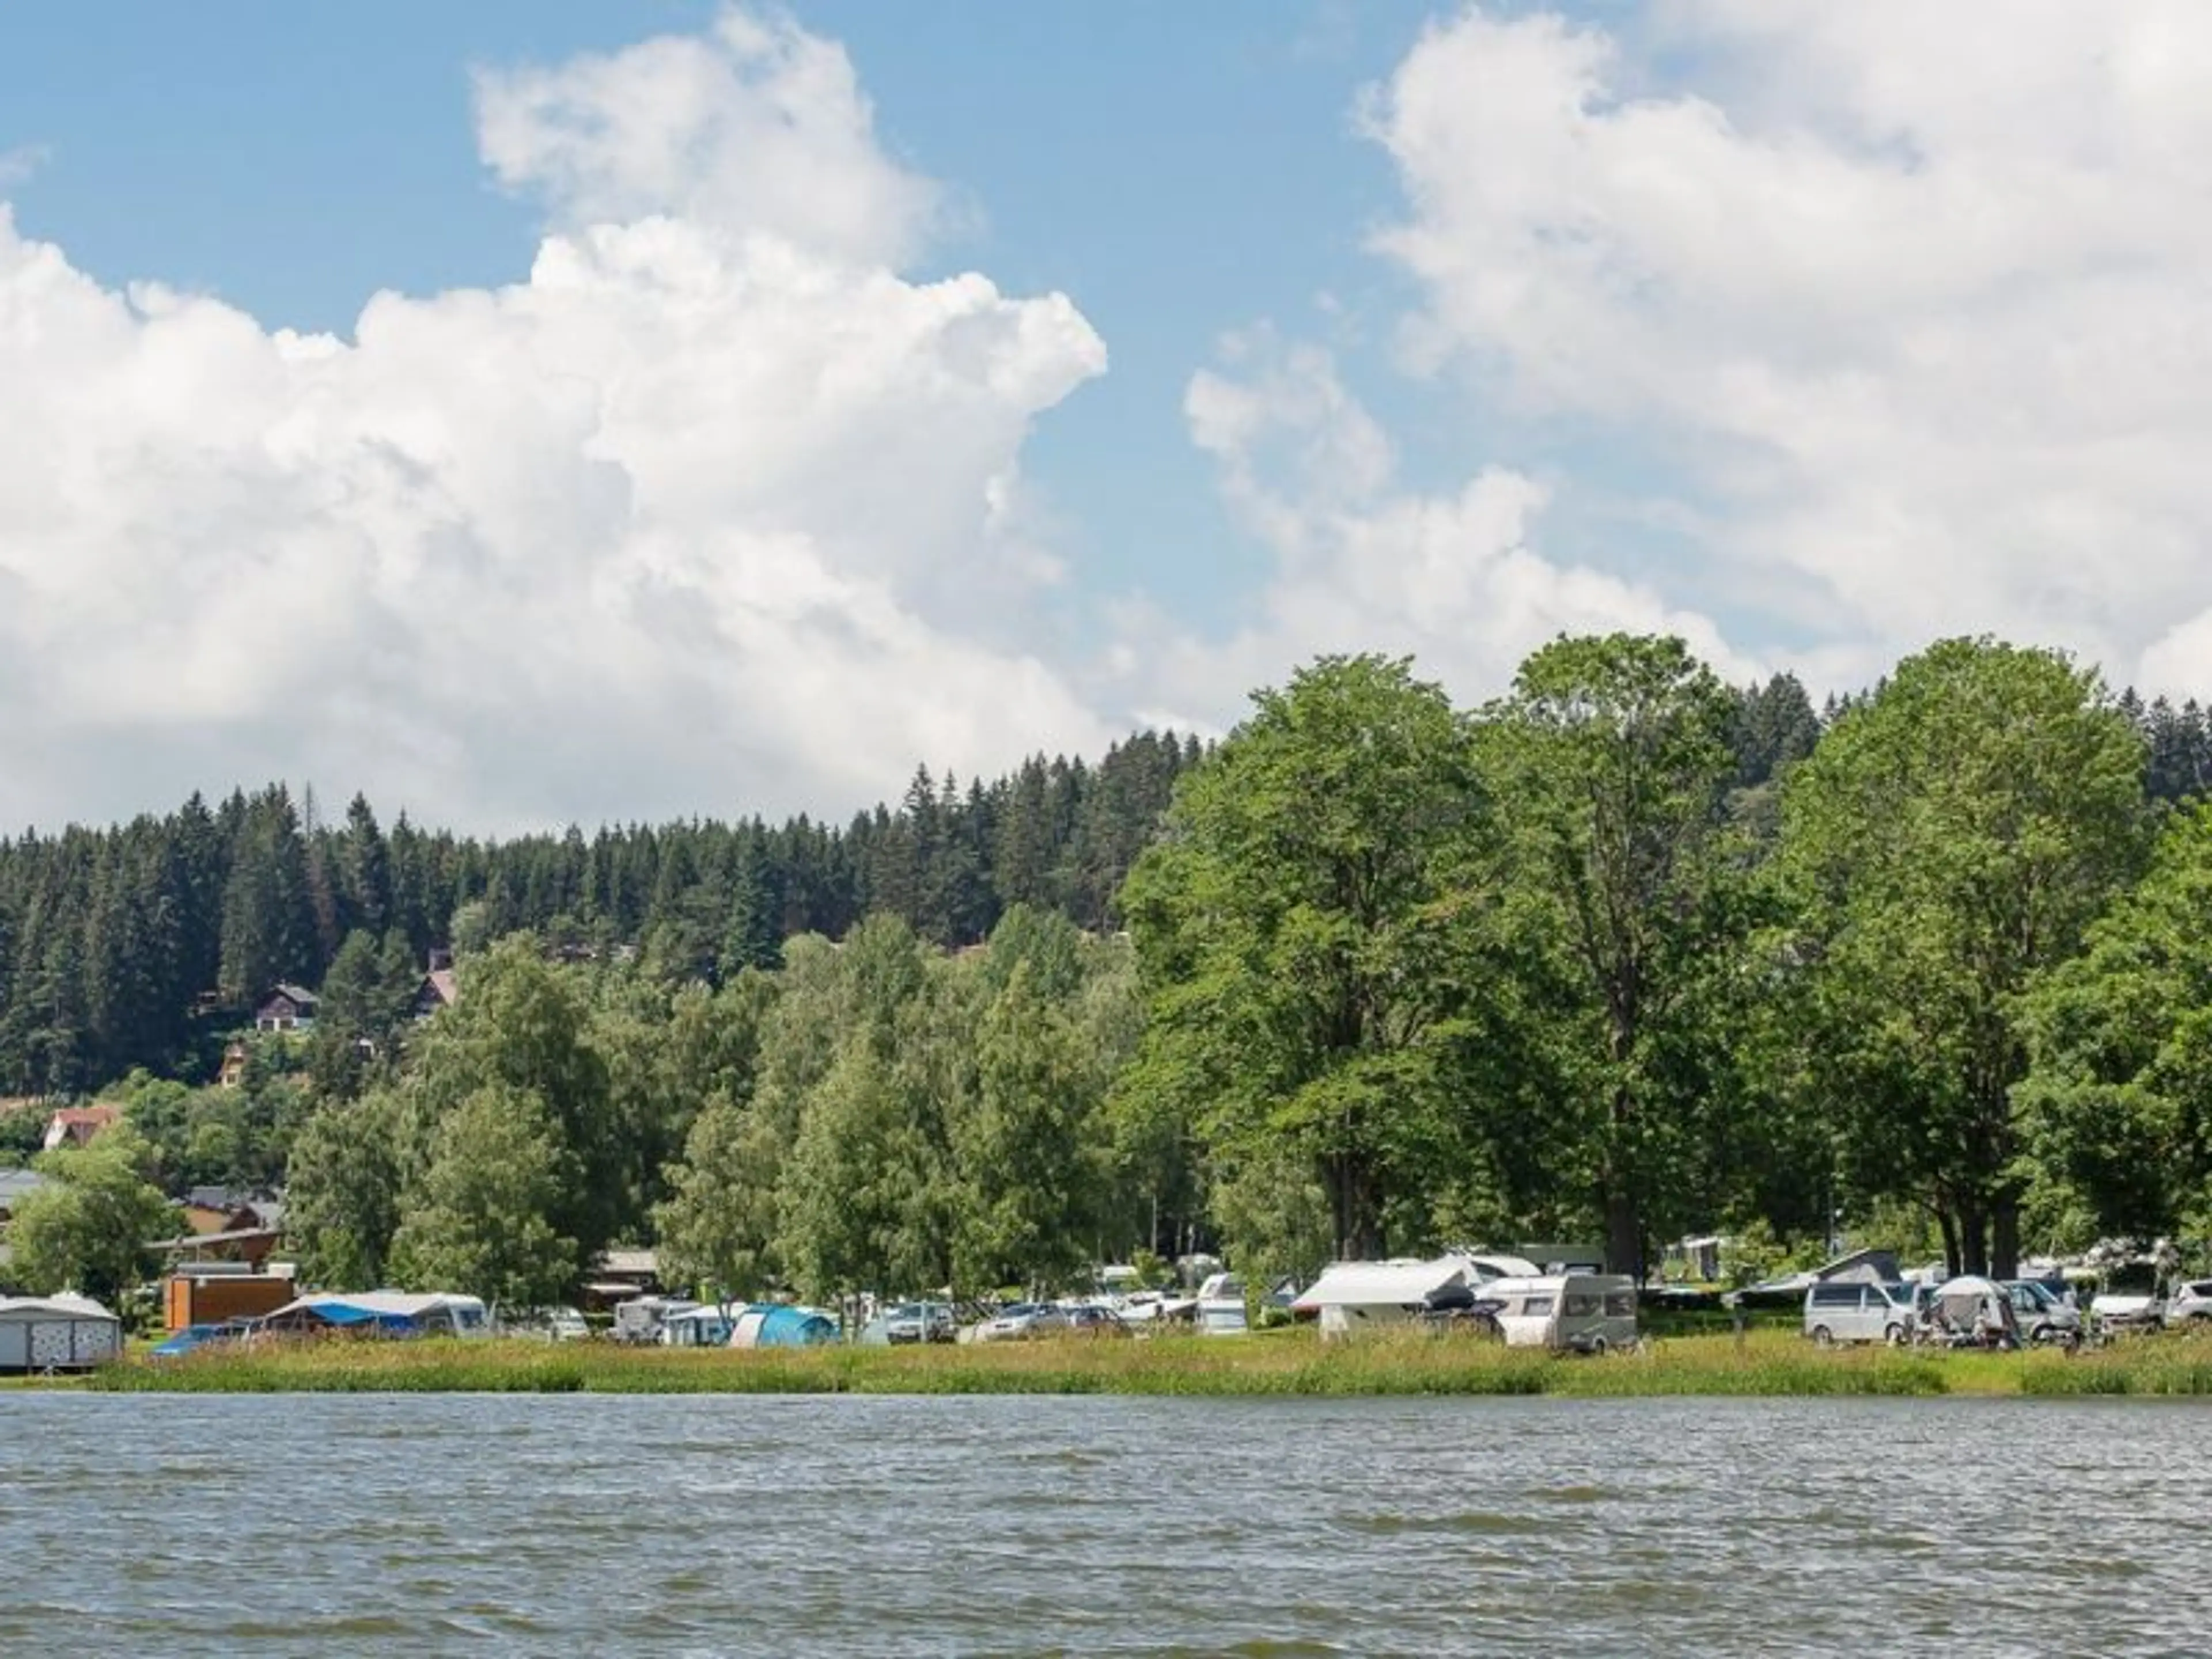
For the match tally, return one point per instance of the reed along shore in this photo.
(1285, 1363)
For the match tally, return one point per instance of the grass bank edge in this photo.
(1285, 1364)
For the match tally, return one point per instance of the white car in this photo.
(1022, 1320)
(2190, 1307)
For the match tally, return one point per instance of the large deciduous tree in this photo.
(342, 1203)
(1950, 838)
(480, 1219)
(1293, 927)
(2116, 1106)
(1610, 760)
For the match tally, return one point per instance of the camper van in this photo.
(1584, 1313)
(1858, 1310)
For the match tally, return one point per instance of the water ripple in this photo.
(406, 1524)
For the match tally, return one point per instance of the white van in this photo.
(1586, 1313)
(1853, 1310)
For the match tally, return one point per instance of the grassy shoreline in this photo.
(1290, 1363)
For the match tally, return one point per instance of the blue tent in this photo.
(773, 1325)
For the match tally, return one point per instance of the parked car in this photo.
(1023, 1321)
(1854, 1311)
(906, 1323)
(2129, 1300)
(2045, 1315)
(553, 1324)
(2190, 1306)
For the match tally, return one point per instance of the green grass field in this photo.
(1291, 1362)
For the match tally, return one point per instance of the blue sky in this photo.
(1178, 170)
(679, 477)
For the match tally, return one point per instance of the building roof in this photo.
(234, 1235)
(1380, 1284)
(444, 984)
(298, 995)
(98, 1117)
(389, 1304)
(62, 1306)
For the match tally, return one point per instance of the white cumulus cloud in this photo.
(715, 511)
(1361, 562)
(1908, 300)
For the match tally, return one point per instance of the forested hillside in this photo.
(112, 941)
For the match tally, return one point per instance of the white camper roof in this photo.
(63, 1305)
(1379, 1284)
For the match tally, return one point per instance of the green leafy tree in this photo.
(1949, 840)
(341, 1205)
(2117, 1106)
(364, 1003)
(480, 1221)
(865, 1185)
(89, 1229)
(1294, 929)
(1609, 760)
(524, 1025)
(716, 1225)
(1029, 1150)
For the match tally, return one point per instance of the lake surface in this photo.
(390, 1525)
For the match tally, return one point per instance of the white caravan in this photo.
(1355, 1295)
(1588, 1313)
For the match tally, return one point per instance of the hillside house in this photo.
(439, 991)
(287, 1008)
(76, 1126)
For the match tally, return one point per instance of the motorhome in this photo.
(1584, 1313)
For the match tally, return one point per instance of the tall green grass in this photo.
(1273, 1363)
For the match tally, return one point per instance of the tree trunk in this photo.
(1358, 1228)
(1948, 1224)
(2004, 1236)
(1624, 1235)
(1973, 1238)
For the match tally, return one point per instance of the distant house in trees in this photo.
(214, 1210)
(438, 990)
(287, 1008)
(76, 1126)
(233, 1066)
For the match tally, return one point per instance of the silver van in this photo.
(1854, 1311)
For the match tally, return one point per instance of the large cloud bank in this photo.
(714, 512)
(1910, 300)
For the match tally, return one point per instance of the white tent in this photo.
(56, 1333)
(1350, 1296)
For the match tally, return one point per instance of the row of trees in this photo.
(138, 945)
(1559, 963)
(876, 1112)
(1623, 953)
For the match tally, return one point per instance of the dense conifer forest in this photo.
(138, 945)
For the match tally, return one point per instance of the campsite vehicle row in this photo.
(1968, 1308)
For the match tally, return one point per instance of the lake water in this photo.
(391, 1525)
